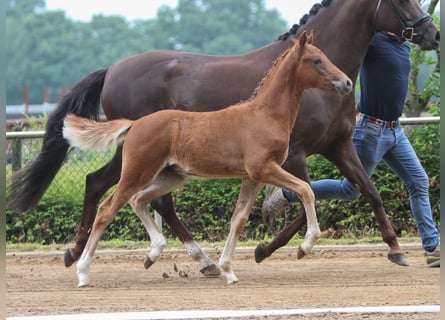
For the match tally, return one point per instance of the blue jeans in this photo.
(374, 143)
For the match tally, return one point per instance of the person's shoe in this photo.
(433, 258)
(274, 203)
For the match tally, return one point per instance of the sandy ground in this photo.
(39, 284)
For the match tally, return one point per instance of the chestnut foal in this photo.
(249, 140)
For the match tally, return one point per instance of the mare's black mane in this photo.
(314, 10)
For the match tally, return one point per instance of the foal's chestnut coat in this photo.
(249, 140)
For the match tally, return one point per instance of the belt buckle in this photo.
(393, 124)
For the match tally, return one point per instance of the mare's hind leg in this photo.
(246, 199)
(97, 183)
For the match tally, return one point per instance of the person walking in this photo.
(378, 136)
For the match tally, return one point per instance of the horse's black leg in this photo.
(265, 249)
(348, 162)
(165, 207)
(97, 183)
(346, 159)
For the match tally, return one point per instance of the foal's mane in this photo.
(272, 70)
(292, 32)
(314, 10)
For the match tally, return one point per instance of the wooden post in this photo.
(45, 94)
(26, 98)
(17, 152)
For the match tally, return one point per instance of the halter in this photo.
(408, 28)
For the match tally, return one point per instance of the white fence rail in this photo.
(403, 121)
(17, 136)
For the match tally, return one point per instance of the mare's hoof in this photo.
(68, 258)
(147, 262)
(261, 252)
(211, 271)
(301, 253)
(398, 258)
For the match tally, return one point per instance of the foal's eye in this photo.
(316, 60)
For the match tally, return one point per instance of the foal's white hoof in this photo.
(231, 277)
(84, 280)
(83, 267)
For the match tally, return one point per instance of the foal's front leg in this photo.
(279, 177)
(246, 199)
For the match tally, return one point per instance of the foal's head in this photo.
(316, 70)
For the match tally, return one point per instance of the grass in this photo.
(176, 244)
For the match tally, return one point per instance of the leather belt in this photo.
(387, 124)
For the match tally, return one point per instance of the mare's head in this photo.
(407, 19)
(315, 69)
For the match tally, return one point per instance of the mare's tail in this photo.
(88, 134)
(28, 185)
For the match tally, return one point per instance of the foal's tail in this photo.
(89, 134)
(28, 185)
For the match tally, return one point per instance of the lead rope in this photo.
(377, 9)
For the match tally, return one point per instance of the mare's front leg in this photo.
(248, 193)
(346, 159)
(97, 183)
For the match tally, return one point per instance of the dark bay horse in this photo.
(249, 140)
(157, 80)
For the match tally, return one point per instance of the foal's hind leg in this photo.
(106, 212)
(97, 183)
(166, 181)
(158, 242)
(165, 207)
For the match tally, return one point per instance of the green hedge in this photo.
(205, 206)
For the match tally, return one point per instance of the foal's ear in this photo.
(310, 37)
(306, 38)
(303, 39)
